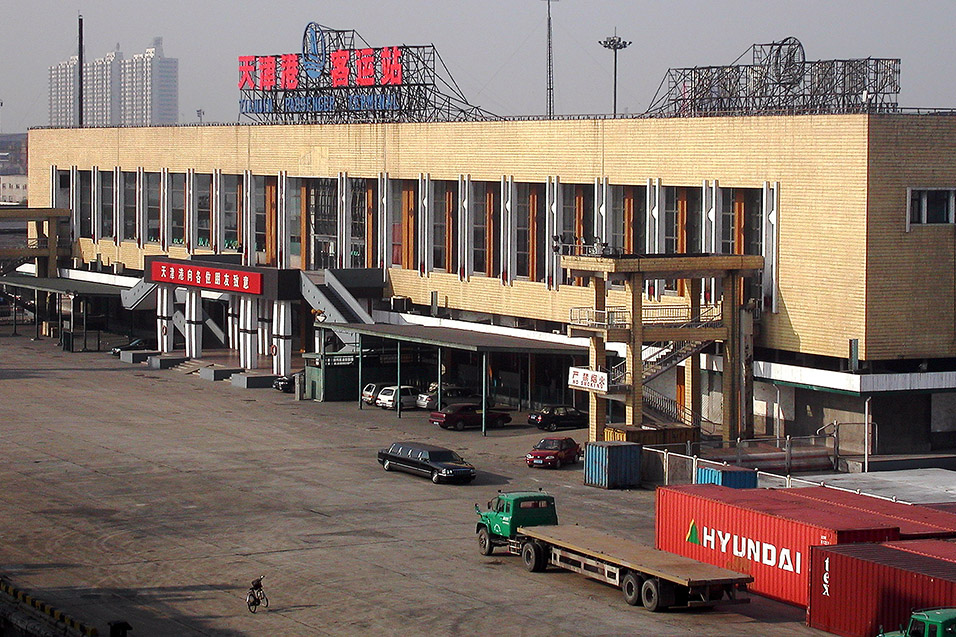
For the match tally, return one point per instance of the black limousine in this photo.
(437, 463)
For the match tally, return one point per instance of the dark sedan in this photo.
(462, 415)
(132, 346)
(437, 463)
(554, 417)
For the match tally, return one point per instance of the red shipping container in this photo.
(942, 506)
(764, 533)
(939, 549)
(915, 521)
(856, 588)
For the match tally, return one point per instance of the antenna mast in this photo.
(550, 106)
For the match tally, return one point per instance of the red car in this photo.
(554, 452)
(462, 415)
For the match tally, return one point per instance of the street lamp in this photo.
(615, 43)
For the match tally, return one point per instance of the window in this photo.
(917, 629)
(231, 196)
(86, 203)
(522, 221)
(177, 207)
(152, 207)
(203, 185)
(293, 211)
(357, 219)
(129, 206)
(259, 211)
(479, 218)
(931, 205)
(442, 204)
(106, 205)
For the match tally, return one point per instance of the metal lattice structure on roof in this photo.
(780, 81)
(422, 89)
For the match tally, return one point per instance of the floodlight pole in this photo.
(550, 104)
(614, 43)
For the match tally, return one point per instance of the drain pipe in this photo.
(866, 435)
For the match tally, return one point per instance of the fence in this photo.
(661, 467)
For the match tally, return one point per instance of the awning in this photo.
(473, 341)
(62, 286)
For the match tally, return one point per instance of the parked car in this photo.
(132, 346)
(386, 397)
(370, 392)
(451, 394)
(553, 417)
(286, 383)
(554, 452)
(462, 415)
(437, 463)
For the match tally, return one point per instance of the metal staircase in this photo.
(668, 355)
(141, 296)
(665, 409)
(325, 293)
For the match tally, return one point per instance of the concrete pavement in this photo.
(156, 497)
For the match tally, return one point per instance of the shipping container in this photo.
(938, 549)
(915, 521)
(764, 533)
(857, 588)
(728, 476)
(612, 465)
(942, 506)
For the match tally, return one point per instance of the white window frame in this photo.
(923, 191)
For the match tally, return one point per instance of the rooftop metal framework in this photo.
(780, 81)
(428, 93)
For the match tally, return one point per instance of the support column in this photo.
(193, 323)
(282, 339)
(597, 405)
(597, 359)
(265, 327)
(634, 404)
(692, 385)
(248, 324)
(232, 320)
(730, 378)
(746, 373)
(164, 318)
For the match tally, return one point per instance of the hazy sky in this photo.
(495, 49)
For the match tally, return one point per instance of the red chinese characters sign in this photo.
(210, 278)
(583, 378)
(346, 68)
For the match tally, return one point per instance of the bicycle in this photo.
(256, 596)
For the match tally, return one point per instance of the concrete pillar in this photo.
(232, 321)
(692, 388)
(165, 306)
(282, 339)
(597, 358)
(746, 373)
(730, 379)
(265, 327)
(193, 323)
(634, 403)
(248, 329)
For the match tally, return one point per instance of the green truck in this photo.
(526, 523)
(929, 622)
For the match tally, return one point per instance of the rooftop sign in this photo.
(338, 78)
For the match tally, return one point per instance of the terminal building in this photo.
(797, 244)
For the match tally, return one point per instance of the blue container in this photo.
(612, 464)
(728, 476)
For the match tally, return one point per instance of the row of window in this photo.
(312, 206)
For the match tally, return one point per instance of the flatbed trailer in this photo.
(657, 579)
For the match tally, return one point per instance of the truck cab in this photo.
(931, 622)
(509, 511)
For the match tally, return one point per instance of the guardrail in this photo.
(671, 315)
(663, 467)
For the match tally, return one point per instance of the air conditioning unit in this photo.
(400, 303)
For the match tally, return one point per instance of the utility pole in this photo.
(550, 105)
(615, 44)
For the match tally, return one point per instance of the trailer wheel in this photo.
(631, 587)
(485, 547)
(651, 595)
(533, 556)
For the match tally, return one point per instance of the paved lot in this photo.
(156, 497)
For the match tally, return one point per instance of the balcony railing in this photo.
(661, 315)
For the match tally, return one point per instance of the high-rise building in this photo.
(140, 91)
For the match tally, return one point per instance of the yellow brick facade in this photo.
(847, 268)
